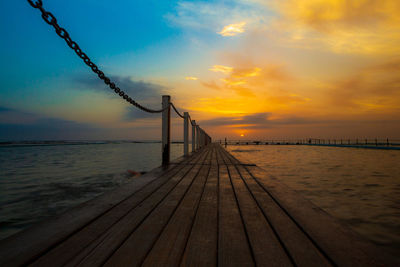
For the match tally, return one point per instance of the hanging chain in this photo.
(177, 112)
(50, 19)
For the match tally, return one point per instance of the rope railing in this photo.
(199, 136)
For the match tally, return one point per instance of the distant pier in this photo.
(355, 143)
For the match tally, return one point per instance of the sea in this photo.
(41, 179)
(360, 187)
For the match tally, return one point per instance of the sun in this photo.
(241, 135)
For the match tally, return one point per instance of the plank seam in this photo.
(172, 214)
(47, 250)
(241, 215)
(148, 214)
(262, 211)
(294, 221)
(194, 217)
(174, 170)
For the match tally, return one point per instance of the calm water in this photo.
(360, 187)
(37, 182)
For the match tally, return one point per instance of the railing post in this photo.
(186, 133)
(197, 137)
(166, 129)
(194, 136)
(201, 137)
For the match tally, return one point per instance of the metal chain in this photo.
(191, 122)
(177, 112)
(50, 19)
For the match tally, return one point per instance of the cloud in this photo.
(134, 114)
(10, 116)
(221, 68)
(374, 88)
(212, 85)
(138, 90)
(191, 78)
(16, 125)
(264, 120)
(356, 27)
(245, 80)
(209, 16)
(4, 109)
(233, 29)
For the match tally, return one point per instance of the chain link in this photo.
(50, 19)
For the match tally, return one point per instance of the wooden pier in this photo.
(207, 209)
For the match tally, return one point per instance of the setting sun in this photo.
(241, 135)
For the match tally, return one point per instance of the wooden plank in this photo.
(233, 247)
(201, 248)
(31, 243)
(214, 154)
(337, 241)
(104, 246)
(263, 242)
(82, 239)
(168, 249)
(300, 248)
(138, 244)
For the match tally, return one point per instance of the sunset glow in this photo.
(272, 68)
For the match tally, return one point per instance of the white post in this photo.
(194, 136)
(186, 133)
(166, 129)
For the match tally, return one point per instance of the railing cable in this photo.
(177, 112)
(50, 19)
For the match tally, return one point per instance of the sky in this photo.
(243, 69)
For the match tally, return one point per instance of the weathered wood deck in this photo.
(205, 210)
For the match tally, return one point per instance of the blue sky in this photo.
(309, 68)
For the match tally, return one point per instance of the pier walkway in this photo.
(207, 209)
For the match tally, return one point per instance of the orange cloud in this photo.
(243, 73)
(233, 29)
(357, 27)
(212, 85)
(191, 78)
(375, 88)
(220, 68)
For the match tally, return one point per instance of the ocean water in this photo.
(40, 181)
(360, 187)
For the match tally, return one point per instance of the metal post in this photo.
(186, 133)
(166, 129)
(194, 136)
